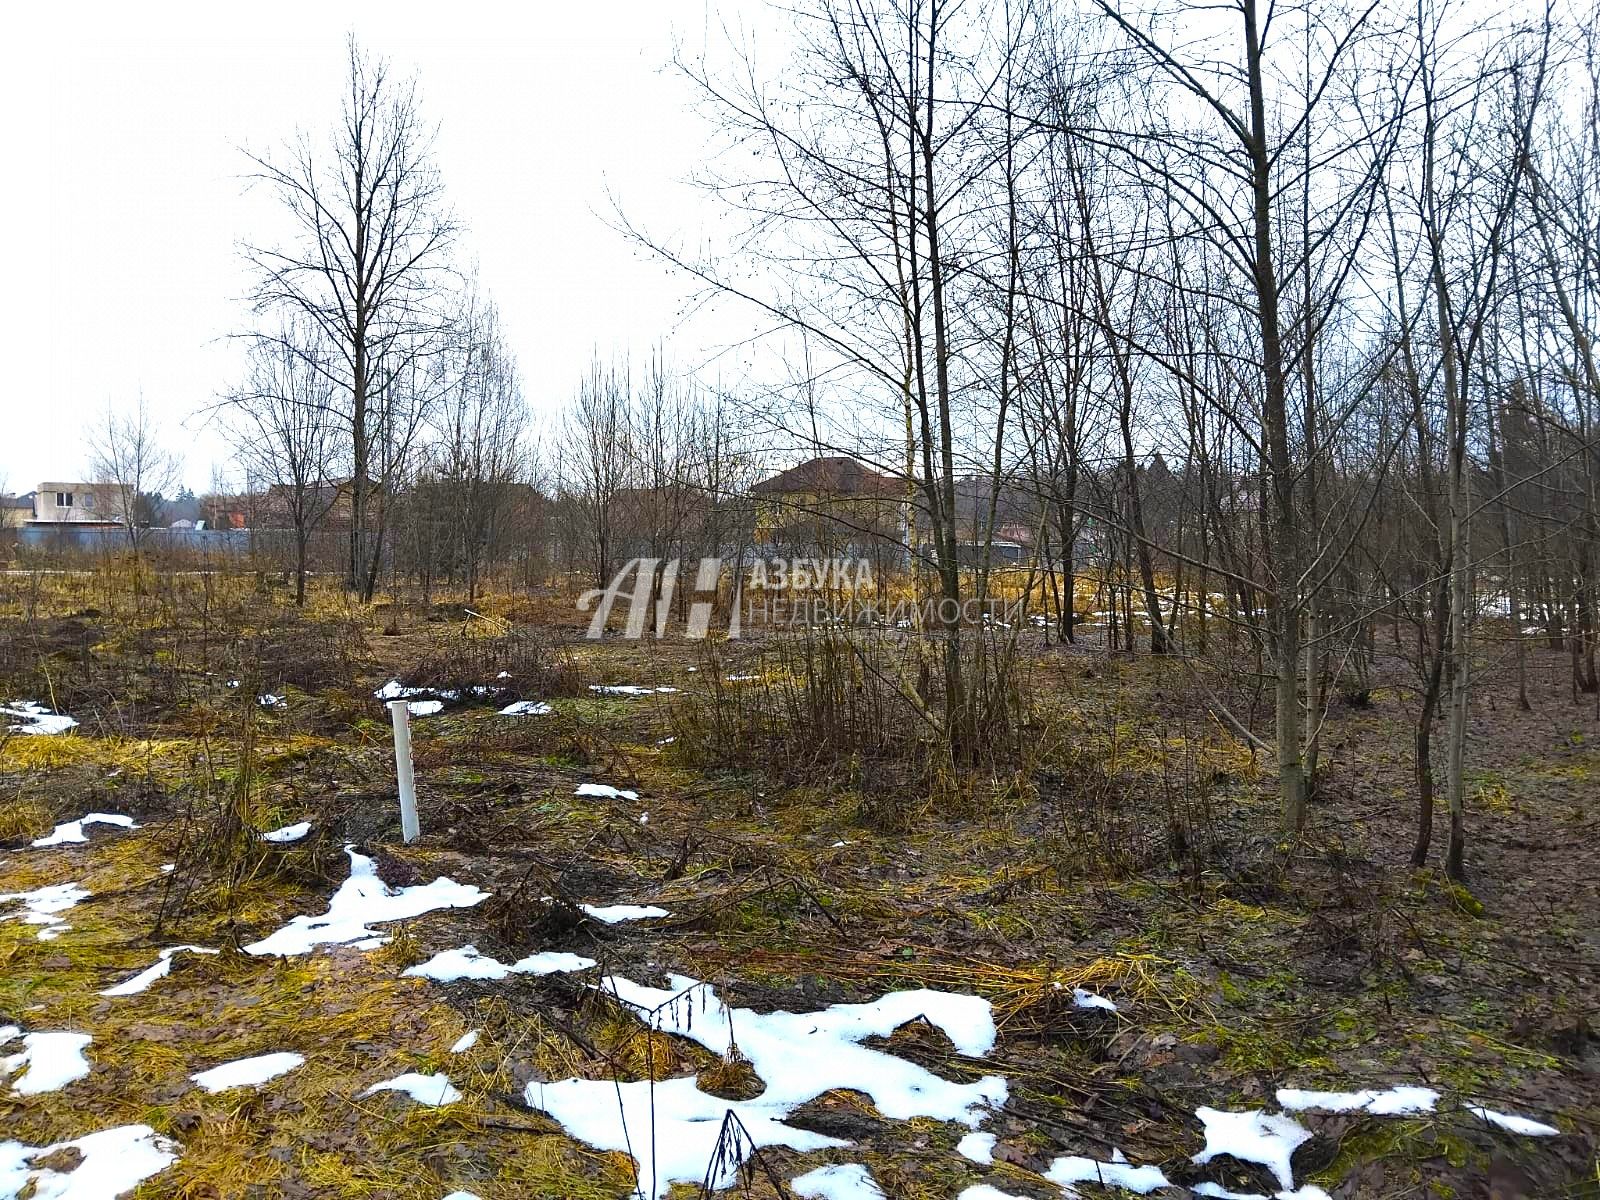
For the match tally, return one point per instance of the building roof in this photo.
(835, 476)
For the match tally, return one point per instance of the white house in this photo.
(74, 503)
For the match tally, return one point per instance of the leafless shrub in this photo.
(847, 702)
(512, 664)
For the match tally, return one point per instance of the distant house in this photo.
(830, 506)
(16, 511)
(74, 505)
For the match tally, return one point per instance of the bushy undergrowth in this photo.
(830, 698)
(514, 662)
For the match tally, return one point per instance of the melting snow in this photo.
(1389, 1102)
(35, 718)
(686, 1123)
(1523, 1125)
(797, 1055)
(604, 791)
(1257, 1137)
(248, 1072)
(423, 708)
(1216, 1191)
(629, 689)
(289, 833)
(1084, 998)
(979, 1147)
(53, 1060)
(461, 1196)
(1116, 1173)
(73, 831)
(840, 1181)
(157, 970)
(526, 708)
(613, 913)
(433, 1090)
(448, 966)
(267, 700)
(114, 1162)
(395, 690)
(40, 906)
(465, 1042)
(364, 899)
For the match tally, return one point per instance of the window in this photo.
(88, 500)
(63, 499)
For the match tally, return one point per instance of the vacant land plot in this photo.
(692, 916)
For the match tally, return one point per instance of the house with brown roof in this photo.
(830, 506)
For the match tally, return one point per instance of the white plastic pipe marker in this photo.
(400, 715)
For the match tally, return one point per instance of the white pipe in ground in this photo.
(400, 715)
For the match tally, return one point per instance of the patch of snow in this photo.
(36, 719)
(448, 966)
(433, 1090)
(364, 899)
(48, 1062)
(1083, 998)
(797, 1055)
(424, 708)
(466, 1042)
(267, 700)
(1072, 1169)
(982, 1191)
(395, 690)
(1526, 1126)
(1215, 1191)
(1400, 1100)
(40, 906)
(686, 1123)
(248, 1072)
(629, 689)
(461, 1196)
(838, 1181)
(168, 868)
(745, 679)
(978, 1147)
(526, 708)
(113, 1162)
(611, 914)
(1257, 1137)
(157, 970)
(604, 791)
(73, 831)
(289, 833)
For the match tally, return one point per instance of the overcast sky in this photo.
(125, 201)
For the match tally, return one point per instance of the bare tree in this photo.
(283, 427)
(367, 266)
(127, 459)
(1242, 101)
(600, 461)
(479, 424)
